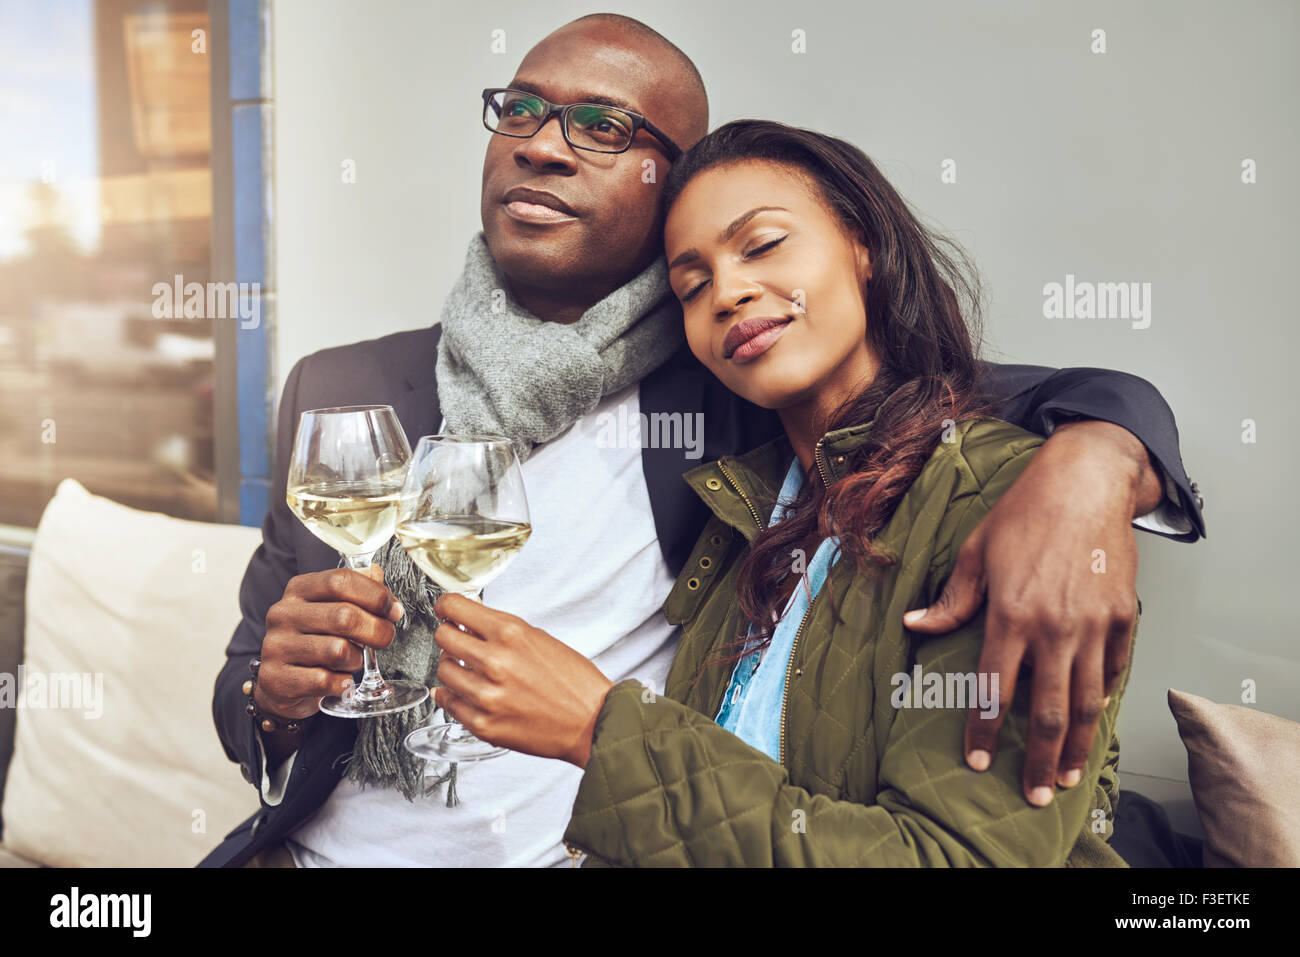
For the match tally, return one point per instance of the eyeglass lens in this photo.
(590, 126)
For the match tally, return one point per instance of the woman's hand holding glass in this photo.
(523, 689)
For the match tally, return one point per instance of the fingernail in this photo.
(397, 611)
(1070, 778)
(1040, 796)
(1105, 701)
(979, 760)
(912, 617)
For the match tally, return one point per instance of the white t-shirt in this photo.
(593, 576)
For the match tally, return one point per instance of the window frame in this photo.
(243, 251)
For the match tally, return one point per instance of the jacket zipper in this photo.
(817, 457)
(758, 522)
(785, 692)
(794, 646)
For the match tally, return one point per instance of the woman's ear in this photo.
(863, 257)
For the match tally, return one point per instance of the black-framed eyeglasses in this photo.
(586, 126)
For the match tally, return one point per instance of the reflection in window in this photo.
(105, 192)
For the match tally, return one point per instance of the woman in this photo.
(802, 723)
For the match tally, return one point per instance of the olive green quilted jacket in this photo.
(860, 782)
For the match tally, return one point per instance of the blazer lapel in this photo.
(418, 408)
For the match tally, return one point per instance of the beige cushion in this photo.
(8, 859)
(1244, 768)
(145, 604)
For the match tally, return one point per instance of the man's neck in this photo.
(552, 306)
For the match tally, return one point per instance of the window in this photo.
(106, 186)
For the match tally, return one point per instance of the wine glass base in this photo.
(450, 742)
(394, 696)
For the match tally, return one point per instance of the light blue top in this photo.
(751, 707)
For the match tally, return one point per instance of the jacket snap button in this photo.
(839, 459)
(798, 672)
(692, 583)
(713, 484)
(715, 540)
(706, 561)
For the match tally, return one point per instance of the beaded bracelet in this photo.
(267, 722)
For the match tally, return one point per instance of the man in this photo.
(562, 319)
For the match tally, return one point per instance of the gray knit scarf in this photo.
(502, 370)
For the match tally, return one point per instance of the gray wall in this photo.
(1122, 166)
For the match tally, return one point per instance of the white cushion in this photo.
(8, 860)
(144, 604)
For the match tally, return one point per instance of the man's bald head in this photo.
(688, 94)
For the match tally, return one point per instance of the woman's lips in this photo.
(750, 339)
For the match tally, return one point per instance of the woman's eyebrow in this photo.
(692, 254)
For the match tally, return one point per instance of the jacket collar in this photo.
(422, 361)
(742, 489)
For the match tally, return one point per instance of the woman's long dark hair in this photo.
(923, 324)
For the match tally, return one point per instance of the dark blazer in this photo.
(399, 370)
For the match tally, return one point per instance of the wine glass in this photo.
(345, 484)
(464, 518)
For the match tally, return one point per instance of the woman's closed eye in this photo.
(756, 251)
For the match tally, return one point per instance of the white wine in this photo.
(353, 518)
(463, 553)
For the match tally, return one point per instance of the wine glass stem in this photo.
(472, 596)
(358, 562)
(371, 679)
(457, 731)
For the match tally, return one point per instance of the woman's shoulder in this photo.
(975, 462)
(978, 451)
